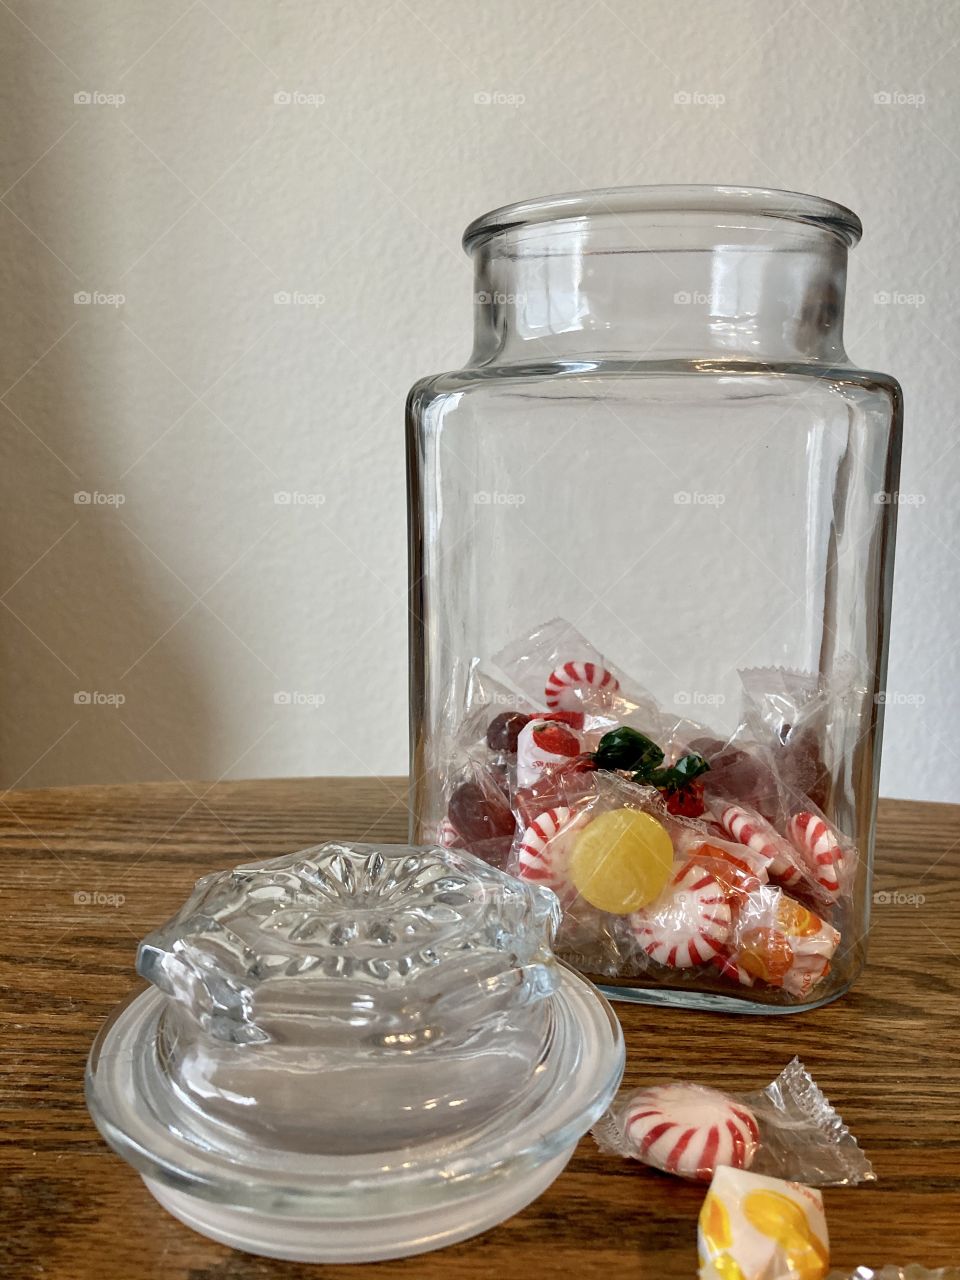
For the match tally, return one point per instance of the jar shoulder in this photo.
(631, 380)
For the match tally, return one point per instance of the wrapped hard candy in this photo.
(689, 1130)
(689, 924)
(543, 745)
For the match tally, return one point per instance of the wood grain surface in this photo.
(887, 1054)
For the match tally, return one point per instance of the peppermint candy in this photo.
(562, 684)
(540, 851)
(819, 848)
(690, 1130)
(690, 924)
(750, 829)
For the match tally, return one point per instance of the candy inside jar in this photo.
(683, 862)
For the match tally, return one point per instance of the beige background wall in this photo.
(183, 397)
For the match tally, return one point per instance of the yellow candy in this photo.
(782, 1219)
(752, 1226)
(622, 861)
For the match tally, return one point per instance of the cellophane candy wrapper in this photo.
(787, 1130)
(682, 858)
(753, 1227)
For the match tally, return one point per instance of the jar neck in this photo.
(642, 286)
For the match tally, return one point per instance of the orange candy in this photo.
(766, 954)
(796, 920)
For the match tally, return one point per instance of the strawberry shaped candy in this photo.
(543, 745)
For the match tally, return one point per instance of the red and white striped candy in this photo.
(753, 831)
(540, 851)
(560, 691)
(690, 1130)
(819, 848)
(690, 924)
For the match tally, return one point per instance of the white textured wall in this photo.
(199, 198)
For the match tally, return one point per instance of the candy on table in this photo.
(819, 849)
(689, 924)
(781, 942)
(689, 1130)
(756, 833)
(564, 682)
(543, 745)
(621, 861)
(752, 1227)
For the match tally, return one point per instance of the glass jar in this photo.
(659, 439)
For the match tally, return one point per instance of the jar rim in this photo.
(763, 202)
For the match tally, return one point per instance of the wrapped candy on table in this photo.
(757, 1228)
(786, 1130)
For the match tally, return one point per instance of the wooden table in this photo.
(887, 1054)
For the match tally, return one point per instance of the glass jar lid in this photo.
(354, 1051)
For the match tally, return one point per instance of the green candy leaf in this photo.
(626, 748)
(677, 776)
(691, 766)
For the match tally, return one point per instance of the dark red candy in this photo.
(801, 763)
(479, 814)
(739, 775)
(504, 729)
